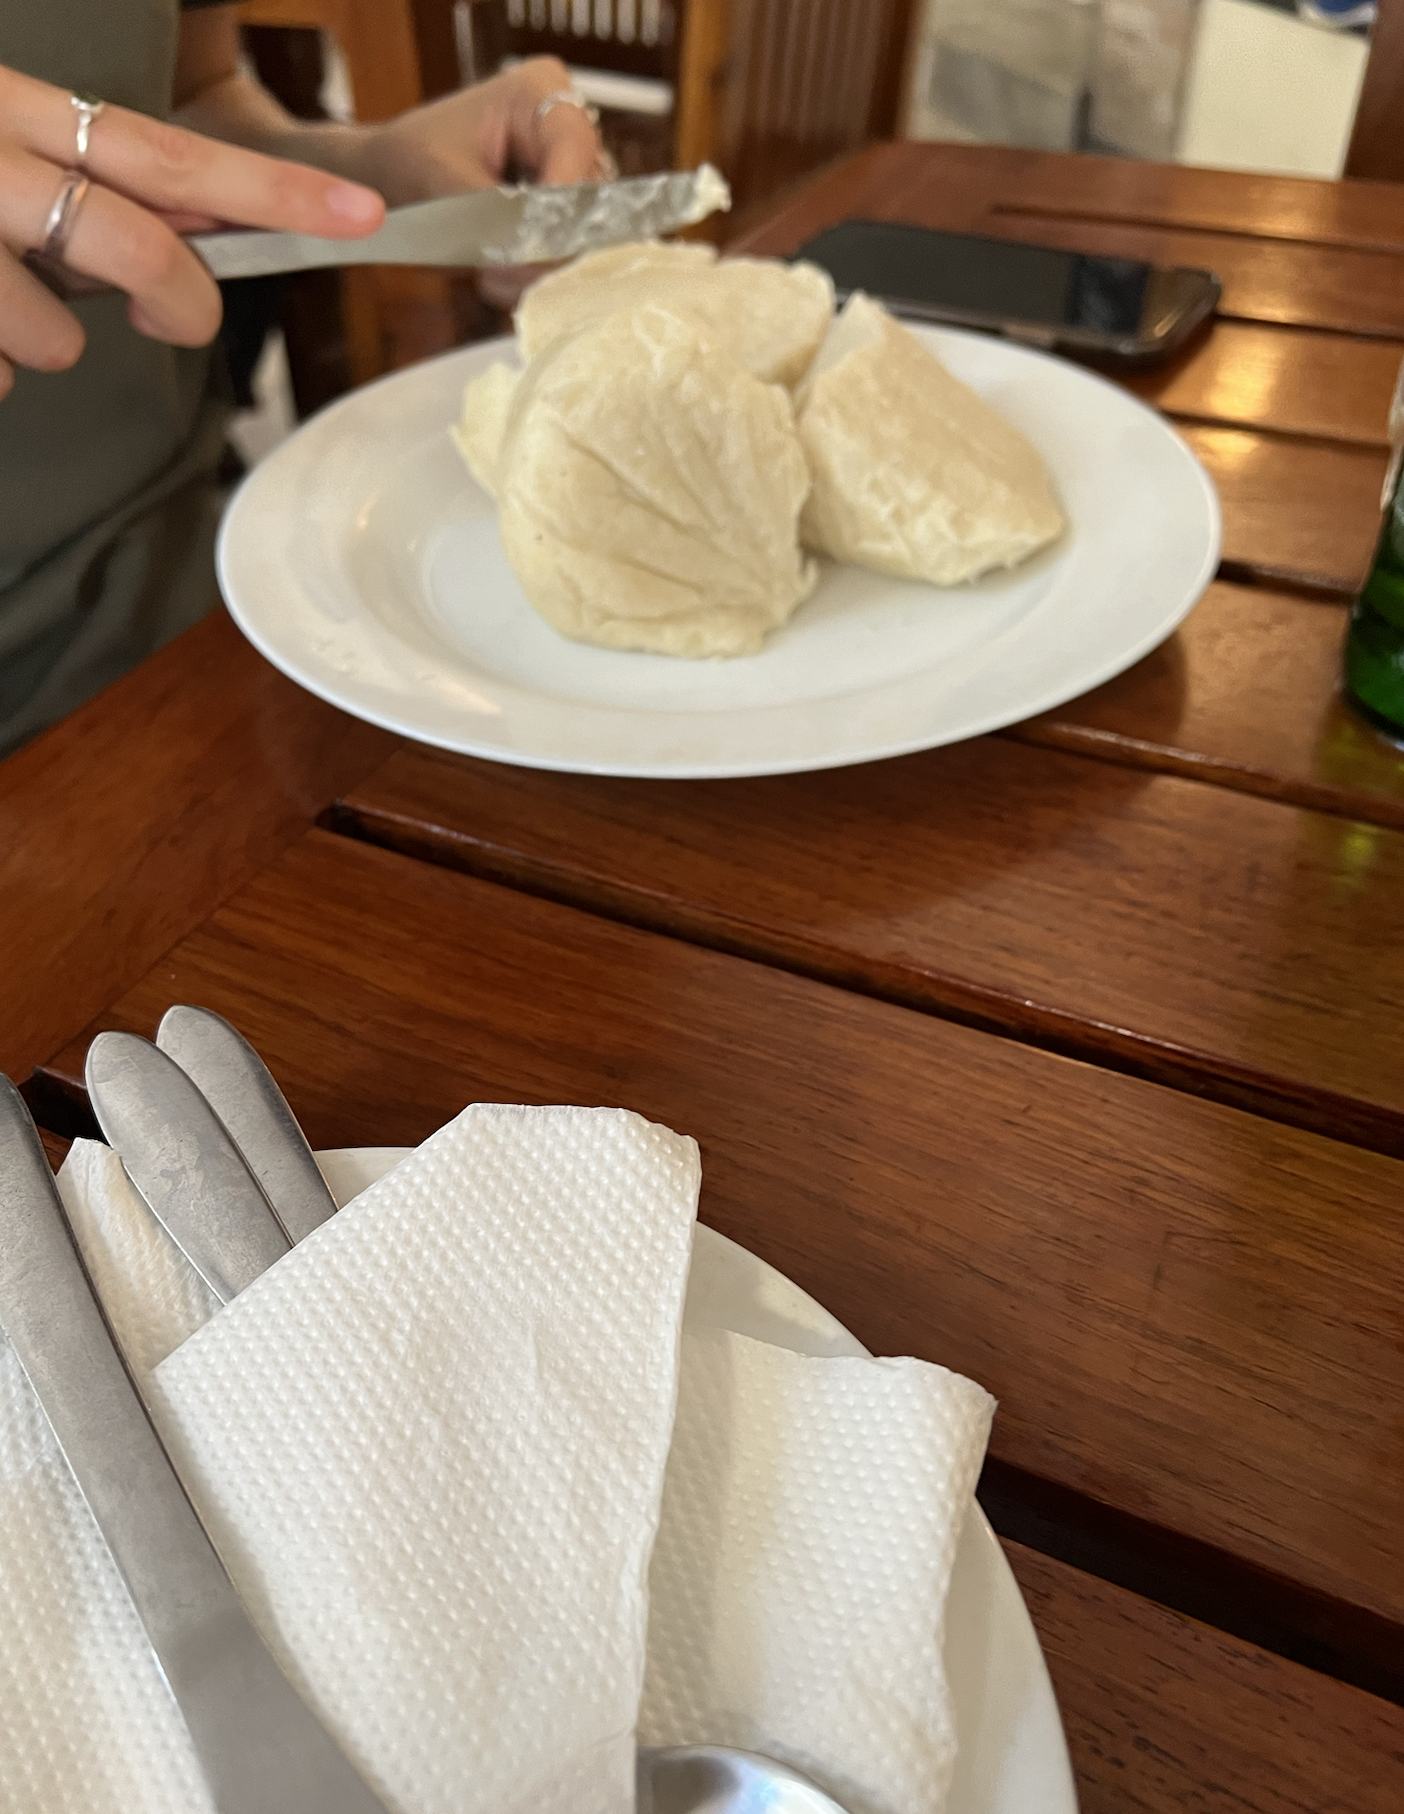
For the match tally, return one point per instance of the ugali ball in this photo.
(770, 317)
(913, 474)
(649, 487)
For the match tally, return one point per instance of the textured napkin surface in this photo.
(810, 1521)
(830, 1493)
(433, 1440)
(440, 1428)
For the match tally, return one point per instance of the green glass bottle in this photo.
(1374, 652)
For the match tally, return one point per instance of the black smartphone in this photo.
(1079, 300)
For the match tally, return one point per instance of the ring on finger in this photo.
(87, 107)
(568, 97)
(62, 215)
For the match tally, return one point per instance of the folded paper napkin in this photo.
(431, 1444)
(810, 1520)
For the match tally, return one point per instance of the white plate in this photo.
(362, 560)
(1012, 1758)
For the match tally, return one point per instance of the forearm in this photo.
(466, 140)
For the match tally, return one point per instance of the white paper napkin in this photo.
(799, 1582)
(467, 1377)
(800, 1573)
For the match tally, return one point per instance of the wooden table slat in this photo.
(1283, 380)
(1201, 937)
(920, 180)
(122, 827)
(55, 1147)
(1246, 694)
(1298, 513)
(1163, 1713)
(1151, 1284)
(1364, 215)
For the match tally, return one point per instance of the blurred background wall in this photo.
(1242, 84)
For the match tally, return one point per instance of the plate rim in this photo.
(260, 629)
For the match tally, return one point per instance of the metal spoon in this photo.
(714, 1779)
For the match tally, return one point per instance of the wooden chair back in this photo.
(344, 328)
(1377, 142)
(808, 81)
(380, 40)
(680, 42)
(632, 37)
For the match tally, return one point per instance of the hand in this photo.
(470, 140)
(150, 182)
(475, 138)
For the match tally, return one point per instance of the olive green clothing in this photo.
(107, 492)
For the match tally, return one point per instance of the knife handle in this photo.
(261, 1748)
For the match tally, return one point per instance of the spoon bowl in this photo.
(714, 1779)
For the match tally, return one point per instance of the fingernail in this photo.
(352, 202)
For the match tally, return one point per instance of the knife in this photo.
(528, 224)
(240, 1089)
(261, 1748)
(180, 1156)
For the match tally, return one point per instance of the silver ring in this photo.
(568, 97)
(63, 214)
(87, 107)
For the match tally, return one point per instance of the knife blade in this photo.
(182, 1159)
(241, 1090)
(261, 1748)
(527, 224)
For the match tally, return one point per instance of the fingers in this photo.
(561, 145)
(166, 168)
(112, 239)
(35, 328)
(570, 147)
(174, 297)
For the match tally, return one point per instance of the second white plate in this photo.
(363, 561)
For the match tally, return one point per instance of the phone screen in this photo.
(988, 277)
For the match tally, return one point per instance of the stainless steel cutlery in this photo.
(261, 1748)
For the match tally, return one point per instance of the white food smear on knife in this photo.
(658, 482)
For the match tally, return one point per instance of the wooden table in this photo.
(1070, 1057)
